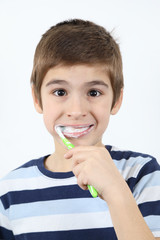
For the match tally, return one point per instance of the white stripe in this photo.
(131, 171)
(62, 222)
(34, 183)
(148, 194)
(156, 233)
(149, 180)
(115, 149)
(132, 166)
(4, 222)
(153, 222)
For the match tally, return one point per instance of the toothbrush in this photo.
(69, 145)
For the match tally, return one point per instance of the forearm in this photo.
(127, 220)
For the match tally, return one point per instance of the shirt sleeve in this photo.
(5, 229)
(147, 195)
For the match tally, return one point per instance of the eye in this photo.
(60, 92)
(94, 93)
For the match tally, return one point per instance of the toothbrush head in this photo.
(68, 144)
(58, 129)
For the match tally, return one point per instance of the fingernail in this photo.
(65, 155)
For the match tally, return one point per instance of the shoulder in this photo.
(18, 176)
(130, 157)
(119, 154)
(21, 171)
(133, 164)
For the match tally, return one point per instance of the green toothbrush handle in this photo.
(67, 143)
(92, 190)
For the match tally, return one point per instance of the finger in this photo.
(80, 157)
(81, 176)
(82, 181)
(77, 169)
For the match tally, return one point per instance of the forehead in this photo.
(78, 74)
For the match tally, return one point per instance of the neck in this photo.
(56, 162)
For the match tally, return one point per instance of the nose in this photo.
(76, 108)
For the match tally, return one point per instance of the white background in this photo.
(136, 26)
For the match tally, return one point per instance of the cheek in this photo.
(103, 110)
(103, 115)
(48, 122)
(104, 121)
(50, 114)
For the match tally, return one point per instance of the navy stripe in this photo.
(40, 164)
(6, 234)
(53, 193)
(150, 208)
(148, 168)
(131, 183)
(88, 234)
(59, 175)
(30, 163)
(108, 147)
(119, 155)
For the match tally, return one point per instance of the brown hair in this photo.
(77, 42)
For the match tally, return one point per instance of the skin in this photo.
(89, 160)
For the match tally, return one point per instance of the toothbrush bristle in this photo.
(59, 131)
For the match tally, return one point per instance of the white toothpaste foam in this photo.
(69, 129)
(75, 132)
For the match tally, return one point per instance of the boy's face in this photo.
(79, 97)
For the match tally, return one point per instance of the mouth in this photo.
(76, 131)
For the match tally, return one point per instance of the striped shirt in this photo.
(37, 204)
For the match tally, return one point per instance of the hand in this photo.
(94, 166)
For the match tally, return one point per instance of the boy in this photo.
(77, 82)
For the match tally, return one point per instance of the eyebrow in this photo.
(87, 84)
(56, 81)
(96, 82)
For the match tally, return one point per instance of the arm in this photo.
(126, 217)
(93, 166)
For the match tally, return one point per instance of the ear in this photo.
(36, 102)
(117, 105)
